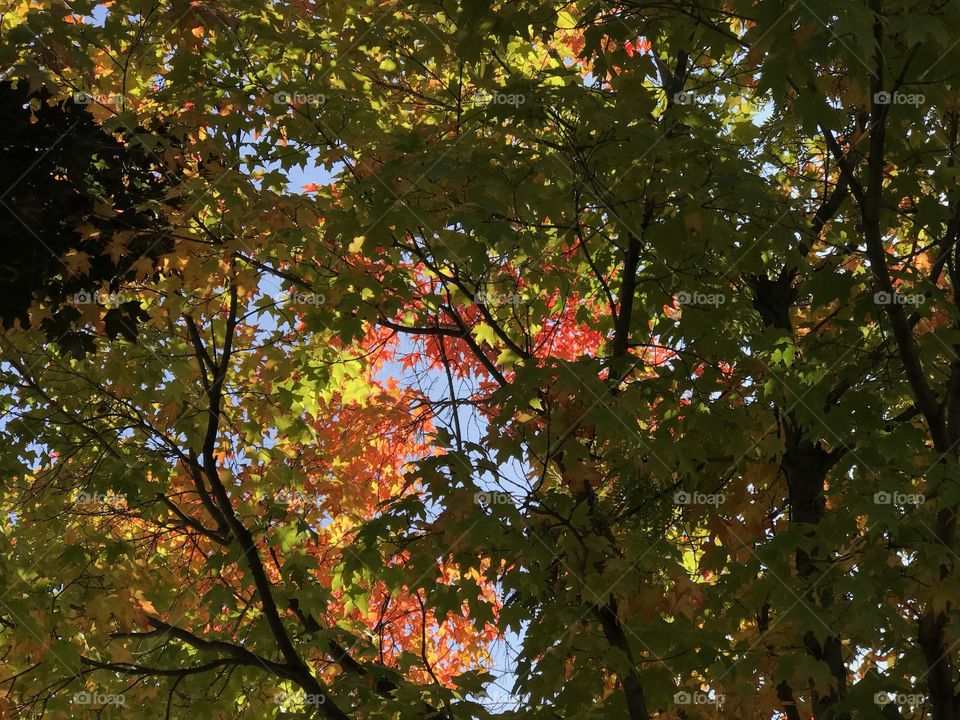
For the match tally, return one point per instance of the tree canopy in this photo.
(480, 360)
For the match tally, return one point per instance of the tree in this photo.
(626, 333)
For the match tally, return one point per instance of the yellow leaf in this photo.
(508, 358)
(77, 262)
(566, 21)
(484, 333)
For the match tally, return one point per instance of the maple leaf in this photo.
(77, 262)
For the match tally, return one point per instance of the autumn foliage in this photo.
(538, 361)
